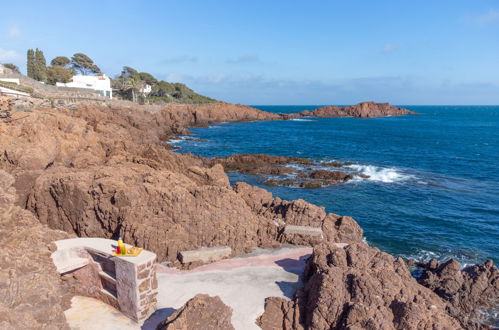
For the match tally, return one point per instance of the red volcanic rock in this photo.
(5, 106)
(275, 165)
(358, 287)
(104, 172)
(101, 172)
(465, 290)
(31, 291)
(324, 112)
(200, 313)
(331, 175)
(335, 228)
(333, 164)
(361, 110)
(281, 314)
(258, 164)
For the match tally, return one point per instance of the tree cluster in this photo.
(37, 65)
(61, 68)
(130, 84)
(12, 67)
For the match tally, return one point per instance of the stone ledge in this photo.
(71, 265)
(302, 230)
(205, 254)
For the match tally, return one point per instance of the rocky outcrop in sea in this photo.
(361, 110)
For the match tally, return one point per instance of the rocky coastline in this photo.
(105, 171)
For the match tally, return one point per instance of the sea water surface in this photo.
(433, 189)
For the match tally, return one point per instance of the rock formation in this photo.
(200, 313)
(361, 110)
(259, 164)
(466, 291)
(31, 292)
(104, 172)
(304, 176)
(358, 287)
(5, 106)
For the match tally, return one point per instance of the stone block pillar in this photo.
(127, 283)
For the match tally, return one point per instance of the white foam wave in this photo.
(489, 316)
(219, 125)
(178, 139)
(464, 260)
(375, 173)
(297, 167)
(301, 119)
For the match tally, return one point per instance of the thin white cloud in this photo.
(490, 17)
(388, 48)
(180, 59)
(13, 32)
(175, 77)
(8, 55)
(245, 59)
(258, 89)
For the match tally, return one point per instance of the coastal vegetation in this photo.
(130, 84)
(12, 67)
(143, 87)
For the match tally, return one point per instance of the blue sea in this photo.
(433, 189)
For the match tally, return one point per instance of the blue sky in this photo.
(278, 52)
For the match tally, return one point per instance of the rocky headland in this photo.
(93, 170)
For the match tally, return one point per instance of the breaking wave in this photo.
(464, 258)
(175, 141)
(375, 173)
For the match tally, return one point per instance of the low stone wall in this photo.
(50, 91)
(127, 283)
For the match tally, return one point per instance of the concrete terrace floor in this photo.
(242, 283)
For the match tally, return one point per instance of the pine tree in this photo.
(31, 64)
(41, 66)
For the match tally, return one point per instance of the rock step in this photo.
(205, 254)
(302, 230)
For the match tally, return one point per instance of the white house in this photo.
(146, 89)
(100, 83)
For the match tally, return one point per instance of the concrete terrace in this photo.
(242, 283)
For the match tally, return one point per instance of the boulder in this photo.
(200, 313)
